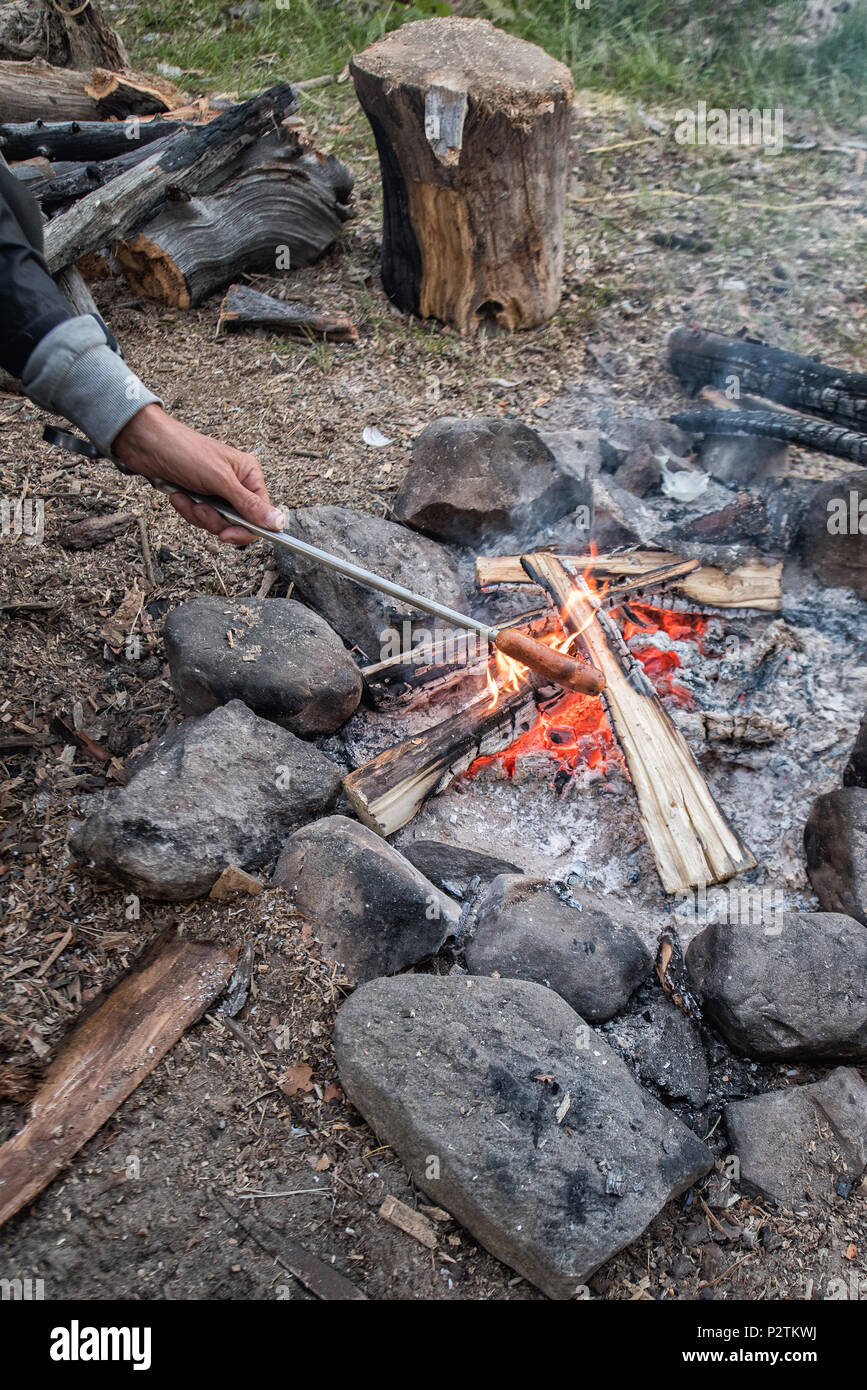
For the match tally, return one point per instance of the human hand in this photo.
(155, 445)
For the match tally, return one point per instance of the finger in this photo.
(197, 514)
(255, 506)
(248, 471)
(234, 535)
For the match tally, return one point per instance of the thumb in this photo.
(252, 506)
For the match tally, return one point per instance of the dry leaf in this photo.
(296, 1080)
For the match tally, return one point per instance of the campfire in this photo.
(595, 613)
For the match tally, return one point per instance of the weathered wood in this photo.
(320, 1278)
(65, 188)
(130, 93)
(244, 308)
(94, 141)
(751, 585)
(282, 210)
(77, 36)
(692, 842)
(30, 91)
(189, 159)
(702, 358)
(106, 1057)
(388, 791)
(72, 283)
(472, 129)
(817, 435)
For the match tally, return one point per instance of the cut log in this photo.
(106, 1057)
(282, 210)
(817, 435)
(751, 585)
(186, 163)
(81, 140)
(388, 791)
(129, 93)
(244, 308)
(702, 358)
(72, 283)
(36, 90)
(692, 842)
(75, 37)
(472, 129)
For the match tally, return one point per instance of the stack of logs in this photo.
(183, 197)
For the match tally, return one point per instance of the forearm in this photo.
(73, 372)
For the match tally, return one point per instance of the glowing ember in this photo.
(575, 731)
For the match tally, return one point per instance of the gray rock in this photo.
(835, 840)
(541, 1145)
(837, 557)
(580, 944)
(225, 788)
(795, 987)
(855, 772)
(640, 472)
(795, 1145)
(453, 868)
(374, 913)
(657, 1040)
(478, 478)
(282, 660)
(358, 613)
(622, 438)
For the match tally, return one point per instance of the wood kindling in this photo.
(752, 585)
(692, 842)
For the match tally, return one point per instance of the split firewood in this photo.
(691, 840)
(106, 1057)
(472, 129)
(751, 585)
(36, 90)
(817, 435)
(75, 141)
(287, 201)
(388, 791)
(702, 358)
(189, 159)
(74, 36)
(244, 307)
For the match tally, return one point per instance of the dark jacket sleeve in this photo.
(68, 363)
(30, 302)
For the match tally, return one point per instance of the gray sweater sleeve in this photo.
(73, 372)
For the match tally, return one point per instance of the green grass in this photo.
(741, 53)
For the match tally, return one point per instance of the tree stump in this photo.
(472, 129)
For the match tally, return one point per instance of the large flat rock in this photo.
(224, 788)
(793, 987)
(279, 657)
(511, 1113)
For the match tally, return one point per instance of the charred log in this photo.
(92, 141)
(816, 435)
(187, 162)
(701, 358)
(388, 791)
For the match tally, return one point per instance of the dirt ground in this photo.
(135, 1215)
